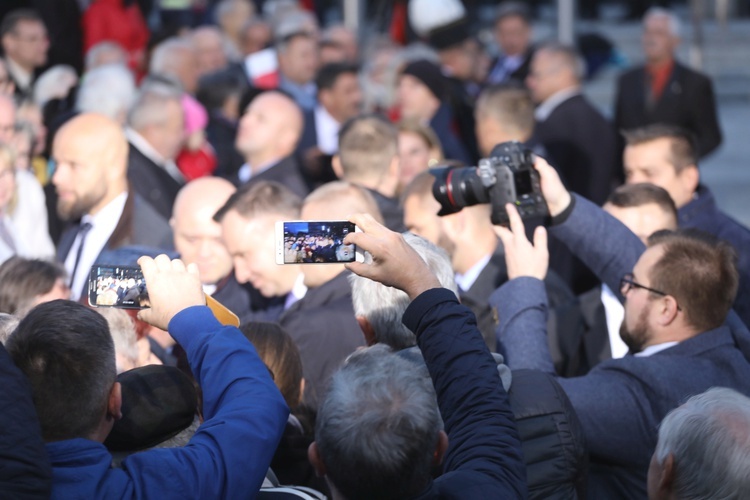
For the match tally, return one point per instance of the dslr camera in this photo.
(507, 176)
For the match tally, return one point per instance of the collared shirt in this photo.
(466, 280)
(546, 108)
(305, 95)
(246, 172)
(141, 144)
(298, 291)
(102, 226)
(653, 349)
(327, 130)
(23, 78)
(615, 313)
(505, 67)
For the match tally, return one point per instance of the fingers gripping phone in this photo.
(315, 242)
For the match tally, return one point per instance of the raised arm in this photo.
(484, 444)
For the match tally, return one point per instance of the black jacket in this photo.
(152, 182)
(687, 100)
(288, 172)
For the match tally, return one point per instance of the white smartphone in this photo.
(315, 242)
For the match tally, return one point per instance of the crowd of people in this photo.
(602, 352)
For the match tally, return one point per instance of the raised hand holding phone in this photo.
(394, 263)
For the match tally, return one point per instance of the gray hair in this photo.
(384, 306)
(709, 438)
(122, 328)
(97, 51)
(164, 60)
(377, 428)
(569, 56)
(55, 83)
(675, 27)
(8, 323)
(150, 107)
(108, 90)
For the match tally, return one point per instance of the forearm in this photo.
(472, 401)
(607, 247)
(521, 306)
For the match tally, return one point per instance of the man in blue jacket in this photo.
(67, 353)
(682, 334)
(378, 430)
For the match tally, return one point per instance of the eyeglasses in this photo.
(627, 283)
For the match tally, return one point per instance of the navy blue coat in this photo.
(621, 401)
(484, 453)
(702, 213)
(25, 471)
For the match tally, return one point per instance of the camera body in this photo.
(506, 176)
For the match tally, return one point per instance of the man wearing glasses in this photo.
(678, 324)
(24, 41)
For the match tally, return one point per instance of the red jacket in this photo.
(111, 20)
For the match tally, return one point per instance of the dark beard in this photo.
(78, 208)
(637, 336)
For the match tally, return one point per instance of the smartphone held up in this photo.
(118, 286)
(315, 242)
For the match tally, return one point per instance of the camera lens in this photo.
(456, 188)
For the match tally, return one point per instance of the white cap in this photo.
(426, 15)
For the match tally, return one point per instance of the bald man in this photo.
(197, 238)
(91, 153)
(267, 137)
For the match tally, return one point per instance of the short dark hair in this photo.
(330, 73)
(700, 272)
(260, 198)
(67, 353)
(280, 354)
(12, 18)
(215, 88)
(683, 147)
(21, 280)
(643, 193)
(513, 9)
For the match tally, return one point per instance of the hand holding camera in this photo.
(523, 258)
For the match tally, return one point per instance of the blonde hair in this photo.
(425, 133)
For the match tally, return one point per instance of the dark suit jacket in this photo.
(582, 145)
(309, 137)
(563, 319)
(323, 326)
(687, 100)
(151, 182)
(519, 75)
(221, 133)
(390, 209)
(139, 225)
(287, 172)
(621, 401)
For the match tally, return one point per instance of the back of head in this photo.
(280, 354)
(377, 428)
(567, 58)
(122, 328)
(262, 198)
(66, 352)
(151, 103)
(22, 281)
(709, 438)
(383, 306)
(509, 106)
(339, 199)
(367, 145)
(108, 90)
(641, 196)
(699, 272)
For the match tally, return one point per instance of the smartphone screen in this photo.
(315, 242)
(118, 286)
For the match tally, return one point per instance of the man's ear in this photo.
(668, 310)
(690, 178)
(313, 455)
(337, 168)
(367, 331)
(440, 449)
(114, 405)
(666, 480)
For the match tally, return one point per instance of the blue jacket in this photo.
(227, 458)
(484, 453)
(702, 213)
(621, 401)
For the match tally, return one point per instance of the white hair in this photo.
(97, 51)
(108, 90)
(122, 329)
(164, 60)
(709, 438)
(151, 104)
(384, 306)
(54, 83)
(675, 26)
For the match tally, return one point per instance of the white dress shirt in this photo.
(327, 130)
(246, 171)
(466, 280)
(615, 313)
(103, 224)
(653, 349)
(298, 291)
(23, 78)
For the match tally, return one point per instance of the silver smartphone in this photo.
(315, 242)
